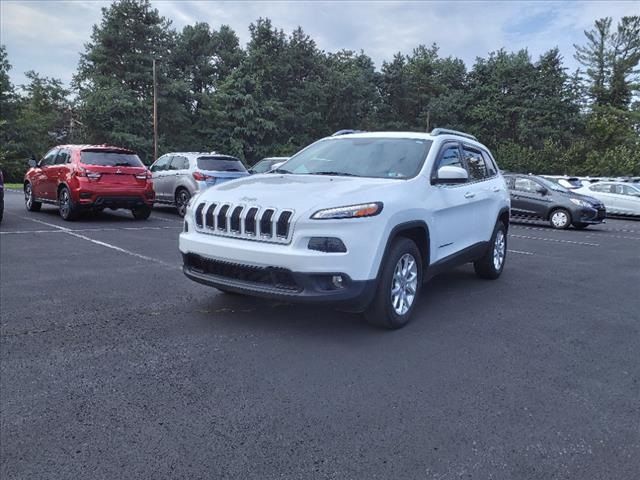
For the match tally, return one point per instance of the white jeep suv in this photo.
(358, 220)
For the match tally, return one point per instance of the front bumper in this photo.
(280, 283)
(591, 215)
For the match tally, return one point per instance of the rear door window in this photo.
(106, 158)
(221, 164)
(179, 163)
(475, 164)
(64, 156)
(526, 185)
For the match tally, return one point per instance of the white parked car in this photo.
(357, 220)
(620, 198)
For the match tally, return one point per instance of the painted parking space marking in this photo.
(103, 244)
(557, 240)
(104, 229)
(520, 252)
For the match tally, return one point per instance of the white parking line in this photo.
(520, 252)
(105, 229)
(103, 244)
(555, 240)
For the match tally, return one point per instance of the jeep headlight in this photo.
(581, 203)
(350, 211)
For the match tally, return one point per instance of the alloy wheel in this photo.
(499, 249)
(182, 199)
(404, 284)
(28, 196)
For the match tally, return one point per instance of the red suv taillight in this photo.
(201, 177)
(90, 174)
(144, 176)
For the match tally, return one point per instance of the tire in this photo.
(580, 226)
(388, 309)
(1, 209)
(66, 206)
(560, 219)
(182, 198)
(141, 213)
(491, 264)
(29, 202)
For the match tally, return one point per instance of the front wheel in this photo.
(66, 206)
(492, 262)
(182, 200)
(29, 201)
(398, 286)
(560, 219)
(141, 213)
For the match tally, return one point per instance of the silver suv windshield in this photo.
(361, 157)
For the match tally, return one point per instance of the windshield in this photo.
(361, 157)
(106, 158)
(221, 164)
(552, 185)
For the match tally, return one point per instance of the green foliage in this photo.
(281, 92)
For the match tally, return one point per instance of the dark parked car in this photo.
(537, 197)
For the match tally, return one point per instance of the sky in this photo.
(48, 36)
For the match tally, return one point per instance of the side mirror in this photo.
(450, 174)
(542, 190)
(32, 163)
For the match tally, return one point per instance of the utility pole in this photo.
(155, 114)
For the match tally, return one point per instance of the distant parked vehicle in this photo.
(89, 177)
(179, 176)
(538, 197)
(1, 196)
(267, 164)
(567, 182)
(620, 198)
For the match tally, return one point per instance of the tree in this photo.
(115, 82)
(611, 60)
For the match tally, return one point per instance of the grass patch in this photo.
(14, 186)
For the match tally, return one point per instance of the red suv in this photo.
(89, 177)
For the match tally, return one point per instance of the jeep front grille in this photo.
(249, 222)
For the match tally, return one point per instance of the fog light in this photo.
(327, 244)
(337, 281)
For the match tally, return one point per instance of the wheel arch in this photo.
(418, 232)
(503, 217)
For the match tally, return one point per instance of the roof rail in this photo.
(346, 132)
(446, 131)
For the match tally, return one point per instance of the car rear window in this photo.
(221, 164)
(110, 159)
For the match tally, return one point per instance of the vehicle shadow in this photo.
(258, 315)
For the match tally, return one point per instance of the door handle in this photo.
(469, 195)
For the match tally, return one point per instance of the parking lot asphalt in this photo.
(114, 365)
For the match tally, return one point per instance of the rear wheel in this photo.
(141, 213)
(492, 262)
(29, 201)
(182, 199)
(66, 206)
(560, 219)
(398, 286)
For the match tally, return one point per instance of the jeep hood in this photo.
(298, 192)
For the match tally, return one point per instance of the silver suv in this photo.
(180, 175)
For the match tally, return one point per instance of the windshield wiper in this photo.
(341, 174)
(122, 164)
(279, 170)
